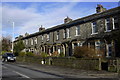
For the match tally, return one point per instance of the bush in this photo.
(61, 54)
(55, 54)
(29, 54)
(85, 52)
(43, 54)
(3, 52)
(21, 54)
(18, 47)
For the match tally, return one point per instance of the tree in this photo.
(6, 43)
(18, 47)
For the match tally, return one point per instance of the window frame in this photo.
(93, 28)
(32, 41)
(35, 40)
(97, 44)
(64, 34)
(48, 37)
(108, 48)
(113, 22)
(26, 42)
(77, 31)
(106, 25)
(68, 32)
(57, 36)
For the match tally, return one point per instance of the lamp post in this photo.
(13, 24)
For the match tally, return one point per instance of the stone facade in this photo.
(93, 30)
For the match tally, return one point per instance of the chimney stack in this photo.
(67, 20)
(41, 28)
(26, 34)
(100, 8)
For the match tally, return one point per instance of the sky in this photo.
(29, 16)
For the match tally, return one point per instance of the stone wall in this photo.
(114, 65)
(86, 64)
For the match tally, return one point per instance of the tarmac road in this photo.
(12, 71)
(15, 72)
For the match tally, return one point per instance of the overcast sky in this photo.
(28, 16)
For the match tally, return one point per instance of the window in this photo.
(57, 35)
(107, 23)
(75, 45)
(48, 37)
(68, 33)
(80, 44)
(94, 28)
(35, 40)
(109, 50)
(59, 51)
(31, 41)
(77, 30)
(42, 37)
(64, 33)
(97, 45)
(115, 22)
(26, 42)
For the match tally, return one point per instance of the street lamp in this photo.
(13, 24)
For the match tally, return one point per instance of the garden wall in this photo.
(86, 64)
(114, 65)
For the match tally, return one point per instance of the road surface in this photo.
(15, 72)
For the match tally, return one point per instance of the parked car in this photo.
(8, 57)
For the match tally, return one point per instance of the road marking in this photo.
(21, 74)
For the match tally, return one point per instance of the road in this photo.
(12, 71)
(15, 72)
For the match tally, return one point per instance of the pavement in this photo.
(68, 72)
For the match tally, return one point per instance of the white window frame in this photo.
(32, 41)
(107, 46)
(106, 26)
(97, 44)
(26, 42)
(113, 21)
(68, 32)
(35, 40)
(59, 50)
(93, 27)
(57, 36)
(48, 37)
(77, 30)
(42, 37)
(64, 33)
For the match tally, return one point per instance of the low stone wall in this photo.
(114, 65)
(86, 64)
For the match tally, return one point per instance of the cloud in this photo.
(29, 19)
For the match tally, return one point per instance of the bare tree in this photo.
(6, 43)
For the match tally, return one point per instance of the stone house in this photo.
(94, 30)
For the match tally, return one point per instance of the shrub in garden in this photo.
(3, 52)
(18, 47)
(29, 54)
(61, 54)
(21, 54)
(86, 52)
(55, 54)
(43, 54)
